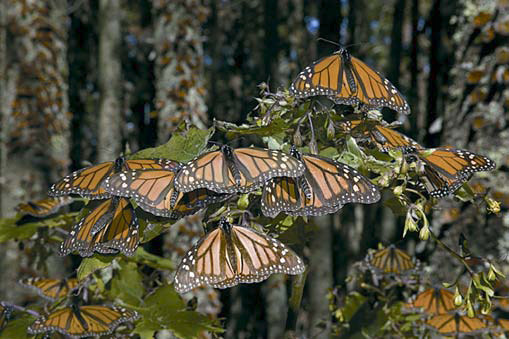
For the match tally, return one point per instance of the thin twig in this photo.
(452, 252)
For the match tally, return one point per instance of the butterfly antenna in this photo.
(329, 41)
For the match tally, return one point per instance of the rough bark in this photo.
(179, 75)
(396, 41)
(3, 103)
(110, 80)
(319, 279)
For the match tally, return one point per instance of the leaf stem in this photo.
(452, 252)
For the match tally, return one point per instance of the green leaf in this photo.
(17, 328)
(166, 310)
(396, 206)
(276, 125)
(90, 265)
(180, 147)
(143, 257)
(127, 284)
(9, 230)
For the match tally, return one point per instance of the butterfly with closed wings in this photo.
(347, 80)
(154, 192)
(43, 207)
(83, 321)
(324, 188)
(446, 169)
(50, 289)
(229, 170)
(87, 182)
(233, 254)
(109, 228)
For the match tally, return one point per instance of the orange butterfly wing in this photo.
(44, 207)
(51, 289)
(435, 301)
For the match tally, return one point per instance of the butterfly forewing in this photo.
(435, 301)
(230, 255)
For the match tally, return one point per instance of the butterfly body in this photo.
(83, 321)
(324, 188)
(230, 170)
(232, 254)
(347, 80)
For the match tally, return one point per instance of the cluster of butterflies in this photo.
(72, 321)
(347, 80)
(436, 304)
(295, 184)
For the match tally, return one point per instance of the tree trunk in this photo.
(434, 69)
(396, 41)
(179, 74)
(3, 102)
(110, 81)
(320, 278)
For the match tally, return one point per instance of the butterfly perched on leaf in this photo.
(87, 181)
(434, 301)
(43, 207)
(83, 321)
(347, 80)
(154, 192)
(111, 227)
(454, 324)
(233, 254)
(445, 169)
(229, 170)
(391, 260)
(51, 289)
(384, 138)
(324, 188)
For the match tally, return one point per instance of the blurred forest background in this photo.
(81, 79)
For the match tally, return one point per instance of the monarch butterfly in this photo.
(384, 138)
(83, 321)
(434, 301)
(347, 80)
(450, 324)
(446, 169)
(230, 170)
(51, 289)
(87, 181)
(110, 227)
(153, 191)
(232, 254)
(44, 207)
(325, 186)
(391, 260)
